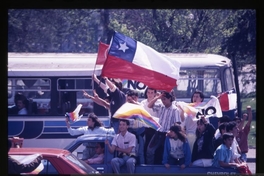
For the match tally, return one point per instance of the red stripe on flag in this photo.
(119, 68)
(102, 53)
(224, 102)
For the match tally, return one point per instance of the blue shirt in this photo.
(222, 153)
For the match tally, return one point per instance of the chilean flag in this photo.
(130, 59)
(228, 100)
(102, 53)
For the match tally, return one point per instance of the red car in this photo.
(55, 161)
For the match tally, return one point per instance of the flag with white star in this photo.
(133, 60)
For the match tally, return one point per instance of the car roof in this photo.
(43, 151)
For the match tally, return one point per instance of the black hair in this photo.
(230, 126)
(9, 144)
(102, 144)
(149, 88)
(197, 92)
(169, 95)
(236, 118)
(178, 130)
(118, 84)
(227, 135)
(132, 92)
(126, 121)
(201, 121)
(95, 119)
(225, 118)
(222, 126)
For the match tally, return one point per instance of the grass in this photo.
(248, 102)
(252, 135)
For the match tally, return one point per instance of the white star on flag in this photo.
(123, 47)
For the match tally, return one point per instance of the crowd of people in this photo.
(182, 140)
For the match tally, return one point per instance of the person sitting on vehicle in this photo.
(203, 150)
(242, 138)
(219, 140)
(176, 149)
(168, 115)
(124, 143)
(15, 167)
(94, 126)
(150, 94)
(137, 129)
(189, 123)
(98, 158)
(232, 128)
(223, 119)
(223, 153)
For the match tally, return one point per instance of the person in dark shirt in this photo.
(15, 167)
(203, 150)
(113, 88)
(217, 142)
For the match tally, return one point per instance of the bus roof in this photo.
(83, 64)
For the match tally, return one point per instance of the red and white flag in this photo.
(102, 53)
(228, 100)
(133, 60)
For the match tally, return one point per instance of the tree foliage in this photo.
(166, 30)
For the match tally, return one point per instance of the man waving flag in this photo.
(130, 59)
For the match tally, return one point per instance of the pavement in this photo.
(251, 160)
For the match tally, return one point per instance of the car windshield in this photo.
(81, 164)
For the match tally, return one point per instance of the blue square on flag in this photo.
(123, 47)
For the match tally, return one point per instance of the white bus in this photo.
(53, 84)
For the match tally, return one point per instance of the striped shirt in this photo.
(168, 117)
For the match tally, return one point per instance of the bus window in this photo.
(9, 89)
(36, 90)
(228, 79)
(70, 91)
(205, 80)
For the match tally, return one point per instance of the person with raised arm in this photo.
(242, 138)
(113, 88)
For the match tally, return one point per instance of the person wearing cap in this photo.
(242, 138)
(168, 115)
(176, 149)
(113, 88)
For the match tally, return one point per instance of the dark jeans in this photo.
(139, 132)
(115, 125)
(174, 161)
(157, 140)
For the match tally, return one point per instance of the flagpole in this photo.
(95, 66)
